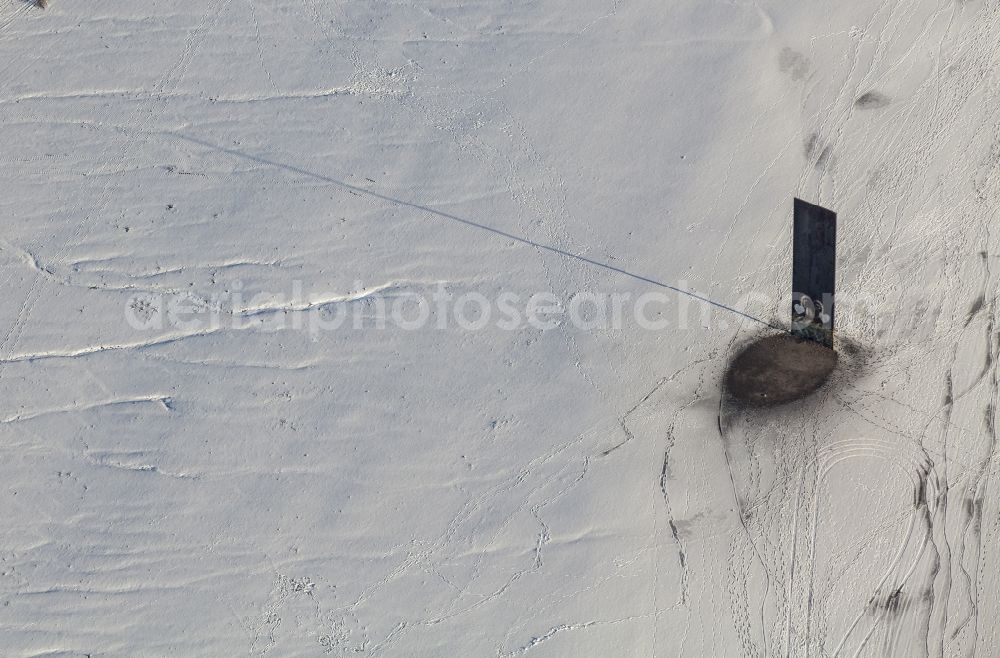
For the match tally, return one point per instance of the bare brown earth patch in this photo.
(779, 369)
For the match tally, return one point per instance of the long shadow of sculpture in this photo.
(465, 222)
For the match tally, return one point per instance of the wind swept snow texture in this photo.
(241, 490)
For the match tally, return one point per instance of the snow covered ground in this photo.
(196, 461)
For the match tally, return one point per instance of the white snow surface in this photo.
(245, 490)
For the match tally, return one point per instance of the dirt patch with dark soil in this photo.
(779, 369)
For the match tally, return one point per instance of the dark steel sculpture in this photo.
(814, 269)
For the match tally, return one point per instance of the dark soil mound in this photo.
(779, 369)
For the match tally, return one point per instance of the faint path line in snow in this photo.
(420, 554)
(260, 47)
(568, 627)
(472, 224)
(527, 66)
(743, 523)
